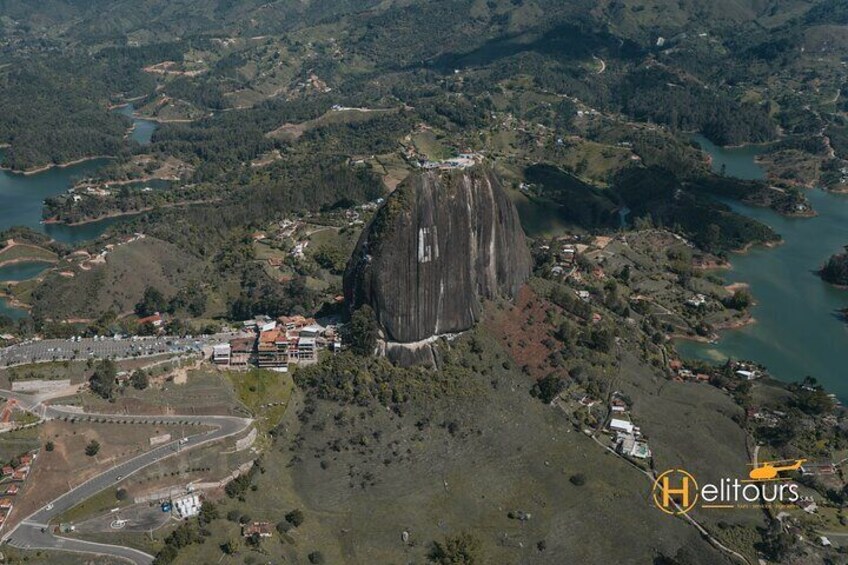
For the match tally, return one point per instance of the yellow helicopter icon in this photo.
(769, 470)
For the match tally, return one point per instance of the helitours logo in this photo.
(676, 491)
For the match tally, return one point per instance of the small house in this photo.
(261, 529)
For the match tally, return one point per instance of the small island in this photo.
(835, 271)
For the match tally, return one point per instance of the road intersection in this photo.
(34, 533)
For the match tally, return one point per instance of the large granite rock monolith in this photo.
(441, 243)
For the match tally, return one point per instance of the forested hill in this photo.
(689, 65)
(96, 21)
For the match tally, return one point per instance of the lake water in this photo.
(737, 162)
(9, 312)
(22, 196)
(22, 271)
(799, 331)
(142, 131)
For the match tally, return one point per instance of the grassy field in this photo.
(76, 371)
(291, 132)
(363, 475)
(265, 394)
(18, 442)
(147, 542)
(40, 557)
(204, 392)
(101, 502)
(431, 146)
(23, 252)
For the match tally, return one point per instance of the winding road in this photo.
(33, 531)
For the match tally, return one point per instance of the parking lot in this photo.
(105, 347)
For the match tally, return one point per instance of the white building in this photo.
(187, 506)
(617, 425)
(221, 354)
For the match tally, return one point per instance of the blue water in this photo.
(799, 331)
(9, 312)
(142, 131)
(22, 197)
(22, 271)
(736, 162)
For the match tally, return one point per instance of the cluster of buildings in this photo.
(463, 161)
(742, 370)
(765, 417)
(355, 216)
(627, 437)
(565, 261)
(696, 301)
(78, 192)
(681, 374)
(843, 179)
(14, 473)
(418, 159)
(276, 344)
(564, 251)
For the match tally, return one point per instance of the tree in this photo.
(363, 331)
(139, 380)
(835, 271)
(102, 382)
(548, 388)
(295, 518)
(231, 546)
(740, 300)
(92, 448)
(316, 558)
(332, 257)
(601, 339)
(151, 302)
(776, 544)
(462, 549)
(255, 539)
(208, 513)
(49, 446)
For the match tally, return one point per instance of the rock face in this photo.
(440, 244)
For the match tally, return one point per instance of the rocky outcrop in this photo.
(440, 244)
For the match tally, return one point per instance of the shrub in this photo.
(233, 516)
(578, 479)
(92, 448)
(463, 549)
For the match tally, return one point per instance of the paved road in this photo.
(39, 351)
(33, 532)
